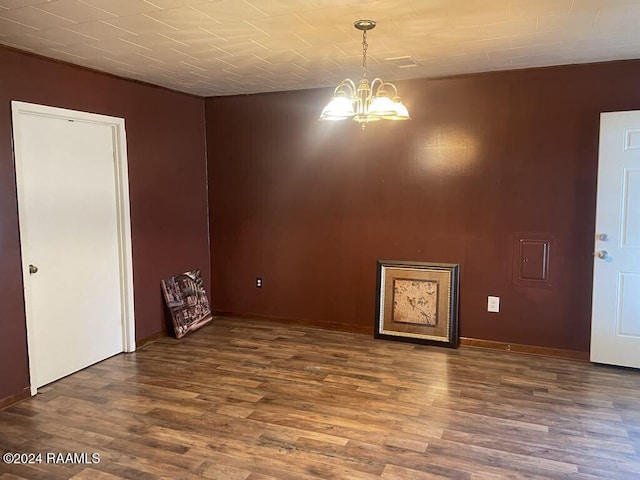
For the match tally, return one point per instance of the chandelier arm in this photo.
(381, 83)
(395, 90)
(351, 84)
(346, 86)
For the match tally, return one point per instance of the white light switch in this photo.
(493, 304)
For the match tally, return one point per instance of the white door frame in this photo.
(122, 207)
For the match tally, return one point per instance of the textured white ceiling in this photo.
(224, 47)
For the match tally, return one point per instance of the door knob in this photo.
(33, 269)
(602, 254)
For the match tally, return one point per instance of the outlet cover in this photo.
(493, 304)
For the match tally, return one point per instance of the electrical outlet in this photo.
(493, 304)
(258, 282)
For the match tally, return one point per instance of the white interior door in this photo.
(71, 226)
(615, 322)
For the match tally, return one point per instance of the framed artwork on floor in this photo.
(417, 302)
(187, 301)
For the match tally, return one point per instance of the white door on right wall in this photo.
(615, 317)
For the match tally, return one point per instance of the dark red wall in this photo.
(167, 175)
(310, 206)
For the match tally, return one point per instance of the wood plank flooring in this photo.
(250, 400)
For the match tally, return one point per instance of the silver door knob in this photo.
(602, 254)
(33, 269)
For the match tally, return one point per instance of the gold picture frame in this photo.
(418, 302)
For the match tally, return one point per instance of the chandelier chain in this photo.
(365, 46)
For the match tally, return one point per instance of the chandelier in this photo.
(366, 102)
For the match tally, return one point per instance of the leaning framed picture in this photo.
(187, 302)
(417, 302)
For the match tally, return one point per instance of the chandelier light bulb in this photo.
(381, 106)
(401, 112)
(339, 108)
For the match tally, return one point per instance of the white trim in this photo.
(123, 208)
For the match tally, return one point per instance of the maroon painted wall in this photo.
(167, 175)
(310, 206)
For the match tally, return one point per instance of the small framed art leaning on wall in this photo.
(417, 302)
(187, 302)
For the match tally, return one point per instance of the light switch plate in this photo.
(493, 304)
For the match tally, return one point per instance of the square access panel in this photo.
(531, 259)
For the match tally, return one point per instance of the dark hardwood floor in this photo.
(249, 400)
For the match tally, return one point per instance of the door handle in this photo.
(602, 254)
(33, 269)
